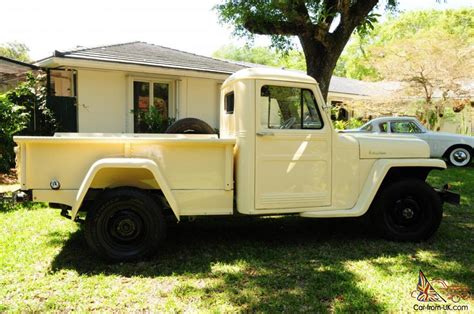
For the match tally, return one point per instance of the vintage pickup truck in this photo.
(277, 154)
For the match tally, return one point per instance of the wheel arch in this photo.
(399, 173)
(462, 145)
(99, 172)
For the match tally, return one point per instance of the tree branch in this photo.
(270, 27)
(352, 15)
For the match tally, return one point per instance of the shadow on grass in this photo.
(283, 263)
(10, 206)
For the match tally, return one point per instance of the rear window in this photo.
(229, 103)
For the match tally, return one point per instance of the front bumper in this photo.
(447, 196)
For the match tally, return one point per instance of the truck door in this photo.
(293, 148)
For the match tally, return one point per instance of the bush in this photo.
(23, 111)
(352, 123)
(153, 121)
(13, 119)
(31, 95)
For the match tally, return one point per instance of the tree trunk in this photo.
(320, 61)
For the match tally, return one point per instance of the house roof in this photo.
(142, 53)
(12, 70)
(11, 66)
(349, 86)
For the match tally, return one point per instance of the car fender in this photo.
(128, 163)
(372, 185)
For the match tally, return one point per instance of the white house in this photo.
(99, 89)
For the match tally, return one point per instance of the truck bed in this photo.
(195, 167)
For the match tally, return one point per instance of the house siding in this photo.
(105, 103)
(203, 100)
(102, 101)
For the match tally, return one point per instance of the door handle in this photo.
(265, 133)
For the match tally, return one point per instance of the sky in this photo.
(188, 25)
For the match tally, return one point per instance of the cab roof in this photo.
(270, 74)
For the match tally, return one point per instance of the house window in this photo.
(151, 102)
(61, 83)
(289, 108)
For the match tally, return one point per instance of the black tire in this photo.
(125, 224)
(459, 156)
(408, 210)
(190, 126)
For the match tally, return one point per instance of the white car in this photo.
(456, 149)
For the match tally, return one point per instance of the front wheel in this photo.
(408, 210)
(459, 156)
(124, 224)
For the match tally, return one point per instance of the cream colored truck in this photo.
(277, 154)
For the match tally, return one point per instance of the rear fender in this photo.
(124, 163)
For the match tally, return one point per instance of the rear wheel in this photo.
(124, 224)
(408, 210)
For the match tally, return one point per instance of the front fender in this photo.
(372, 184)
(124, 163)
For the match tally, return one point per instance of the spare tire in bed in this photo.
(190, 126)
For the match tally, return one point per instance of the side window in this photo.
(289, 108)
(404, 127)
(229, 103)
(383, 127)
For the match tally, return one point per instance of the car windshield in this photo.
(367, 127)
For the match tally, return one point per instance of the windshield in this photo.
(367, 127)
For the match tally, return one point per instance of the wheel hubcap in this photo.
(406, 213)
(125, 226)
(460, 156)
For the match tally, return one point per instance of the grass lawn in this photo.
(239, 264)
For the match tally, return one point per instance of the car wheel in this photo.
(124, 224)
(459, 156)
(408, 210)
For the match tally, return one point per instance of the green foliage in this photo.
(257, 55)
(153, 121)
(31, 95)
(292, 59)
(13, 119)
(18, 110)
(15, 50)
(268, 13)
(352, 123)
(357, 60)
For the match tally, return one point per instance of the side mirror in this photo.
(327, 108)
